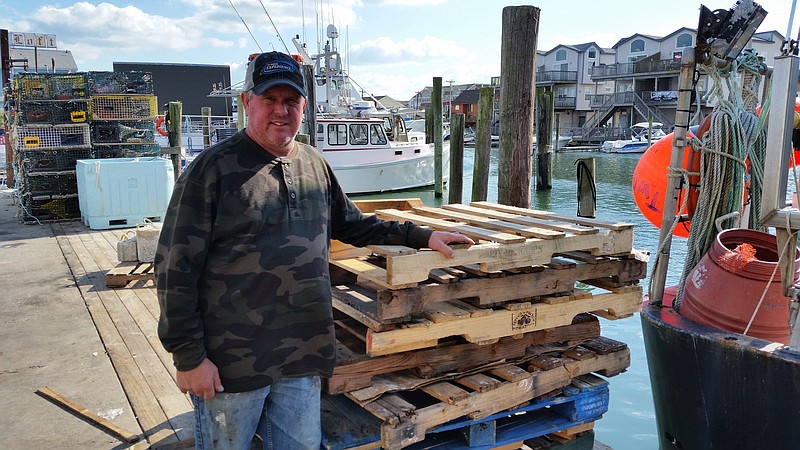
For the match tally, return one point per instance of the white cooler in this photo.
(123, 192)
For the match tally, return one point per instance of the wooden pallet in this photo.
(355, 369)
(126, 272)
(488, 325)
(385, 306)
(553, 365)
(407, 417)
(506, 237)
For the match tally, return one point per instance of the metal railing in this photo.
(644, 66)
(557, 76)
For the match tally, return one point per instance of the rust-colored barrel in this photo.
(724, 289)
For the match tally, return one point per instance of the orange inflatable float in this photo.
(649, 181)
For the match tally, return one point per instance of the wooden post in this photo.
(429, 126)
(436, 106)
(517, 58)
(311, 105)
(241, 114)
(544, 106)
(556, 133)
(175, 111)
(587, 191)
(5, 62)
(455, 185)
(205, 113)
(483, 145)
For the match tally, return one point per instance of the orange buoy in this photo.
(161, 131)
(649, 183)
(724, 288)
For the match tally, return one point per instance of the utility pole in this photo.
(450, 102)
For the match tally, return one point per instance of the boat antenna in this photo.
(303, 17)
(273, 26)
(245, 25)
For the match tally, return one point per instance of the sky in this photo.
(390, 47)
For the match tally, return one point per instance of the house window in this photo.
(592, 53)
(637, 46)
(684, 40)
(561, 55)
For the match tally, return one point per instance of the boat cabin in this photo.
(350, 134)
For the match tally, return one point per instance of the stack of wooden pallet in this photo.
(493, 347)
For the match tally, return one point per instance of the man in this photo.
(242, 271)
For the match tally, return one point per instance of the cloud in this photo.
(384, 50)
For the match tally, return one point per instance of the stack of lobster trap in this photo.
(497, 347)
(59, 118)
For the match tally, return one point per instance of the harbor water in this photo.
(630, 421)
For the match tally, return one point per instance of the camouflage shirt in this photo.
(242, 262)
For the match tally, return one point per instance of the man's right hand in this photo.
(202, 381)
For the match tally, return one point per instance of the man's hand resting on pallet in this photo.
(439, 241)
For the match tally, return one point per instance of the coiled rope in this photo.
(735, 135)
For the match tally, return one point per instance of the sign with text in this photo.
(32, 40)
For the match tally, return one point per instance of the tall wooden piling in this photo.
(483, 145)
(455, 185)
(544, 133)
(518, 72)
(436, 106)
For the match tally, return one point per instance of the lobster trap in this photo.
(123, 132)
(32, 210)
(51, 86)
(126, 151)
(124, 107)
(35, 137)
(49, 184)
(128, 82)
(33, 162)
(53, 112)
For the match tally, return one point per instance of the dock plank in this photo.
(161, 409)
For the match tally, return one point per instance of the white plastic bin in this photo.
(122, 192)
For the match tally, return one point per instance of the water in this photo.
(629, 423)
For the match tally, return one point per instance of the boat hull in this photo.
(715, 389)
(387, 175)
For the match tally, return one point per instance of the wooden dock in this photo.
(407, 318)
(127, 321)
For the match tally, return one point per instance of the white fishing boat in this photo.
(642, 136)
(354, 135)
(365, 160)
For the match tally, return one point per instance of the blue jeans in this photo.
(286, 416)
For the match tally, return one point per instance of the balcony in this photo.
(643, 67)
(548, 77)
(565, 102)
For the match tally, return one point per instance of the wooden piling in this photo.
(436, 106)
(311, 105)
(483, 145)
(455, 185)
(429, 125)
(587, 191)
(544, 133)
(175, 111)
(205, 114)
(517, 67)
